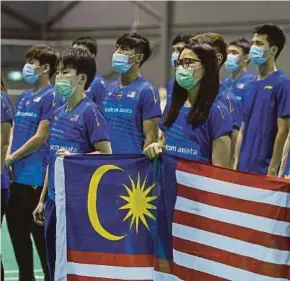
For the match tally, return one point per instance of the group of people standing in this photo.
(239, 123)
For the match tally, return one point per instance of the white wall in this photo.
(232, 19)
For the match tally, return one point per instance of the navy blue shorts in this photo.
(49, 232)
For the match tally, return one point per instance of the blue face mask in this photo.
(63, 87)
(232, 63)
(174, 57)
(120, 63)
(29, 74)
(257, 56)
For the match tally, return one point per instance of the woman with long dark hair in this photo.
(195, 125)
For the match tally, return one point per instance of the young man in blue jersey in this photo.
(178, 44)
(266, 120)
(29, 135)
(236, 64)
(132, 105)
(7, 113)
(225, 95)
(77, 127)
(97, 89)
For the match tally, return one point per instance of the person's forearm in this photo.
(238, 147)
(4, 149)
(45, 188)
(286, 151)
(29, 147)
(277, 151)
(234, 138)
(150, 138)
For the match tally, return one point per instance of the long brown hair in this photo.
(208, 91)
(3, 87)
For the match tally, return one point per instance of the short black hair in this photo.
(215, 40)
(137, 42)
(275, 35)
(181, 38)
(80, 60)
(44, 54)
(243, 43)
(89, 42)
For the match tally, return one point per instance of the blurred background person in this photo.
(97, 89)
(29, 135)
(236, 63)
(132, 105)
(177, 45)
(7, 114)
(196, 126)
(267, 106)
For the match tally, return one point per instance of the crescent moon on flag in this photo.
(93, 199)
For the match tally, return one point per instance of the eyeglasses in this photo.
(185, 63)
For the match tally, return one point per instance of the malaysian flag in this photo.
(106, 218)
(125, 218)
(227, 225)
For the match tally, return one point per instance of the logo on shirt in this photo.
(269, 87)
(97, 120)
(222, 113)
(110, 93)
(119, 95)
(74, 117)
(27, 103)
(131, 94)
(37, 99)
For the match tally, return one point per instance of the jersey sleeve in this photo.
(97, 91)
(150, 104)
(96, 126)
(6, 111)
(48, 107)
(220, 121)
(282, 94)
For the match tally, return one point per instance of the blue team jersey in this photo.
(31, 109)
(125, 109)
(238, 85)
(265, 102)
(231, 103)
(195, 143)
(97, 90)
(76, 130)
(169, 88)
(7, 113)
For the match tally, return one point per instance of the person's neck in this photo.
(75, 99)
(191, 96)
(129, 77)
(40, 84)
(238, 73)
(266, 69)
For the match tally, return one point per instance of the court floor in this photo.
(8, 258)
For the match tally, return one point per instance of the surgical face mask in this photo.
(174, 57)
(232, 63)
(63, 87)
(29, 74)
(120, 63)
(185, 77)
(257, 55)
